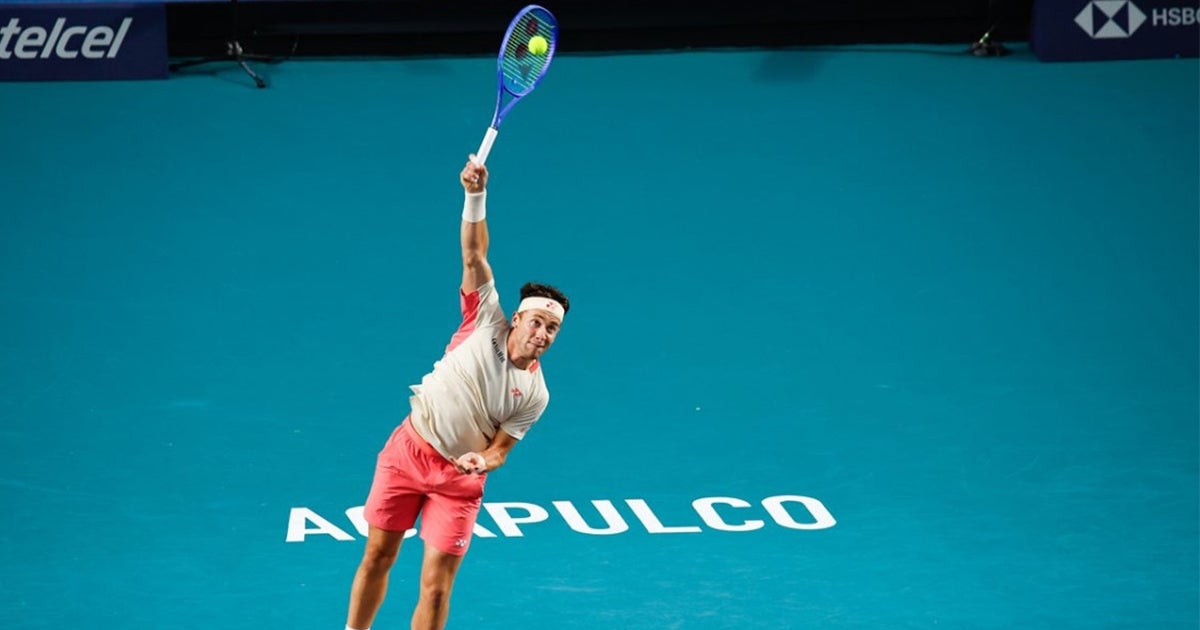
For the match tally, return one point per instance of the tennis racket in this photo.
(519, 69)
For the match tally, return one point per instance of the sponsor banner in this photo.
(61, 42)
(1084, 30)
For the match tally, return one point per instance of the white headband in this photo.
(543, 303)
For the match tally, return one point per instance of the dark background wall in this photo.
(420, 27)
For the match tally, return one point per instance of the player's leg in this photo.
(371, 579)
(396, 498)
(438, 570)
(448, 522)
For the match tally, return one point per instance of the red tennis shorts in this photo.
(411, 479)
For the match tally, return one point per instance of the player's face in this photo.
(536, 330)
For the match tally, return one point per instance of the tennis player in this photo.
(466, 415)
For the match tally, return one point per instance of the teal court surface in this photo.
(860, 338)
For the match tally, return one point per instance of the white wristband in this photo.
(475, 207)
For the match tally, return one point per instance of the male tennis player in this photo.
(467, 414)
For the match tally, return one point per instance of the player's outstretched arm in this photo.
(476, 271)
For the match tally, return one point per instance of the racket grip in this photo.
(486, 147)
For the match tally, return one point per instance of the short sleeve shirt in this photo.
(474, 390)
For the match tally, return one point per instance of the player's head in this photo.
(538, 318)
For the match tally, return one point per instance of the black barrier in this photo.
(280, 29)
(403, 27)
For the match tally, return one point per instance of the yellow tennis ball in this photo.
(538, 45)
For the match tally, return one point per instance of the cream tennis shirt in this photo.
(474, 390)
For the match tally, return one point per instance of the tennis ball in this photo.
(538, 45)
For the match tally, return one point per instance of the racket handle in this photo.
(486, 147)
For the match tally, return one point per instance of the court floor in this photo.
(870, 338)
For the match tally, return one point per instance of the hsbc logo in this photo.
(1110, 19)
(1114, 29)
(1120, 19)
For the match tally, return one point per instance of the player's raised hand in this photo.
(474, 176)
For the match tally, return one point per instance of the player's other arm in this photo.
(491, 458)
(476, 270)
(497, 451)
(502, 443)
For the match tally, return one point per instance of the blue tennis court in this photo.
(879, 338)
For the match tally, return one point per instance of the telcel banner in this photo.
(1082, 30)
(58, 42)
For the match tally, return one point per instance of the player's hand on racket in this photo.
(474, 176)
(473, 463)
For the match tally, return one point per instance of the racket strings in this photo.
(521, 68)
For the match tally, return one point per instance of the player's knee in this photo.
(435, 589)
(378, 560)
(435, 596)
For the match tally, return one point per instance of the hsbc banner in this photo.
(1083, 30)
(66, 42)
